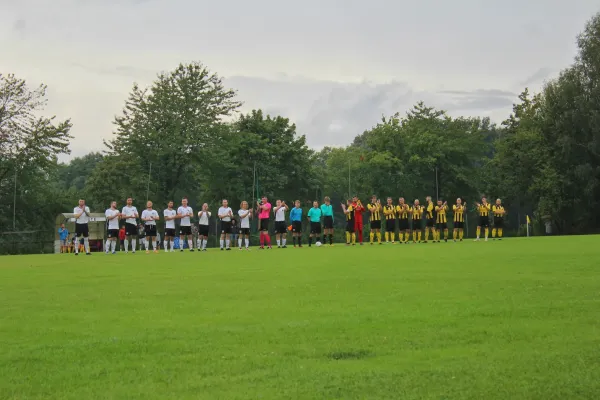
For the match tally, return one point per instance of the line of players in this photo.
(435, 217)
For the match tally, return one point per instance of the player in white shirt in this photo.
(225, 214)
(203, 227)
(150, 216)
(130, 214)
(170, 216)
(82, 216)
(280, 226)
(245, 214)
(185, 213)
(112, 217)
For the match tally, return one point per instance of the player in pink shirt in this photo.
(264, 212)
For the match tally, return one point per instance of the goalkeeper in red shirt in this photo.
(358, 219)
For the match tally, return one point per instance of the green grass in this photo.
(517, 319)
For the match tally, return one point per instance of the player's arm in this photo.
(156, 217)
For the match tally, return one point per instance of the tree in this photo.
(29, 147)
(169, 131)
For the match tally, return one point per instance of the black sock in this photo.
(309, 241)
(330, 238)
(299, 240)
(294, 239)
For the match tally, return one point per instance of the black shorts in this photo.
(484, 221)
(315, 228)
(130, 229)
(280, 227)
(203, 230)
(403, 224)
(226, 227)
(350, 226)
(390, 225)
(113, 233)
(376, 224)
(440, 226)
(328, 222)
(297, 226)
(459, 224)
(416, 224)
(264, 224)
(498, 222)
(430, 223)
(185, 230)
(169, 232)
(82, 230)
(244, 231)
(150, 230)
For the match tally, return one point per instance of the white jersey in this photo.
(187, 212)
(280, 214)
(113, 223)
(225, 211)
(83, 219)
(130, 212)
(244, 219)
(169, 224)
(205, 218)
(149, 214)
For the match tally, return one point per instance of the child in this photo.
(245, 216)
(234, 231)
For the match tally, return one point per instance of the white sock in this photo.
(227, 243)
(165, 245)
(126, 244)
(147, 244)
(86, 245)
(113, 246)
(204, 242)
(107, 246)
(221, 241)
(278, 242)
(154, 245)
(240, 243)
(133, 244)
(172, 243)
(247, 242)
(190, 244)
(284, 241)
(76, 245)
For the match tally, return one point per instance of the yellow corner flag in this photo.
(528, 220)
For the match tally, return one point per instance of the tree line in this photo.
(183, 136)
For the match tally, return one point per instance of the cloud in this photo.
(332, 113)
(538, 76)
(19, 28)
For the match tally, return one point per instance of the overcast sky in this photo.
(332, 66)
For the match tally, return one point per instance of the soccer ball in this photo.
(318, 244)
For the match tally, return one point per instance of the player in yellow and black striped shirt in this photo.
(459, 219)
(349, 212)
(389, 212)
(375, 209)
(403, 212)
(417, 215)
(441, 221)
(483, 210)
(498, 211)
(429, 218)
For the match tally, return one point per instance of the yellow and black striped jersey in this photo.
(459, 213)
(498, 211)
(484, 209)
(402, 211)
(389, 212)
(429, 211)
(350, 214)
(375, 211)
(440, 212)
(417, 212)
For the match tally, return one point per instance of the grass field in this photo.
(517, 319)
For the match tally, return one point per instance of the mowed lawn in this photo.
(517, 319)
